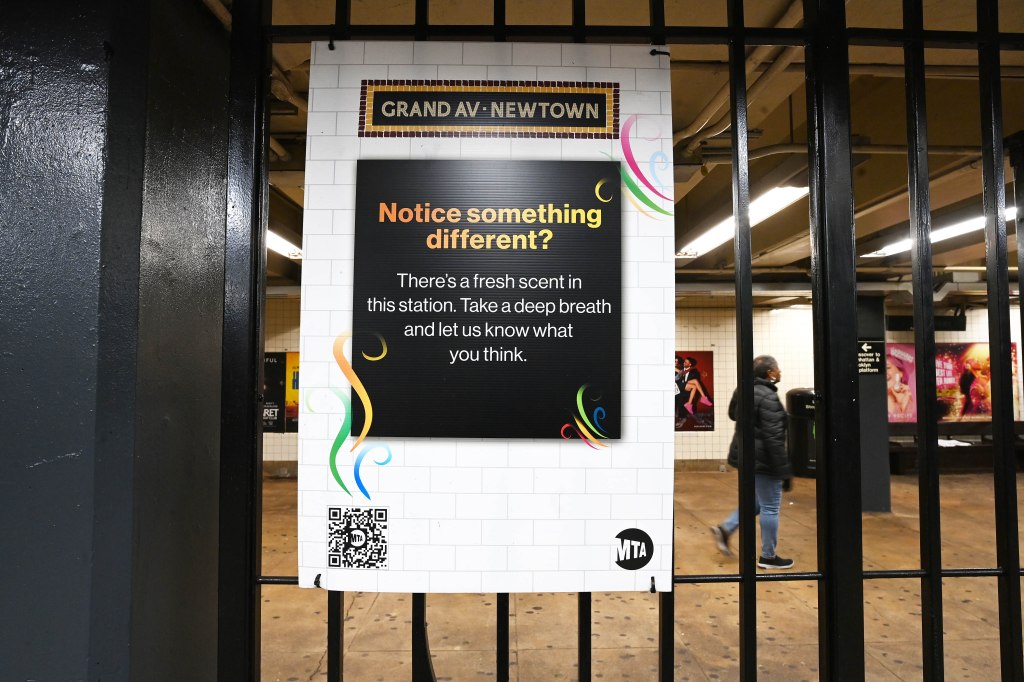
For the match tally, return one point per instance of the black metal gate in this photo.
(826, 40)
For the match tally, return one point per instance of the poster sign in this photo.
(274, 392)
(962, 376)
(487, 297)
(695, 387)
(280, 392)
(900, 382)
(487, 306)
(291, 392)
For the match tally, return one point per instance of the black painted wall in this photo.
(112, 149)
(52, 139)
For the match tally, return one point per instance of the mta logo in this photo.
(634, 549)
(357, 538)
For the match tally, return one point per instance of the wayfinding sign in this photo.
(870, 357)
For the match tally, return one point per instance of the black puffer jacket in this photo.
(769, 431)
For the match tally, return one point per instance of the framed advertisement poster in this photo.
(291, 392)
(694, 390)
(487, 304)
(962, 377)
(274, 392)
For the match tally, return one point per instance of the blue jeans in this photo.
(768, 493)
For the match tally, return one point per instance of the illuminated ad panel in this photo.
(487, 319)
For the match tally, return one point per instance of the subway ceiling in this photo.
(777, 119)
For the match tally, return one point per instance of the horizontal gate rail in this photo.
(278, 580)
(691, 578)
(737, 578)
(698, 35)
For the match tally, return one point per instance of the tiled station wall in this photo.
(784, 333)
(787, 334)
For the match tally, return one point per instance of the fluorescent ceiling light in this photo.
(276, 242)
(761, 208)
(954, 230)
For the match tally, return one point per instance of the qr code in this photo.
(357, 537)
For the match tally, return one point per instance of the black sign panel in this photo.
(870, 357)
(487, 299)
(273, 392)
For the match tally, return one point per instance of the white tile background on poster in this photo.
(487, 482)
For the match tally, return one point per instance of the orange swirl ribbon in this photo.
(357, 386)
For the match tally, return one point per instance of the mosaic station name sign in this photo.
(482, 108)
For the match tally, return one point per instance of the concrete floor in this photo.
(543, 626)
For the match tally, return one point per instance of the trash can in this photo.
(800, 431)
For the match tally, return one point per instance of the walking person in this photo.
(772, 473)
(967, 378)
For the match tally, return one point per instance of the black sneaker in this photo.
(721, 539)
(775, 562)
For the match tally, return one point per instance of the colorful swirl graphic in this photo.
(634, 188)
(357, 385)
(589, 431)
(346, 426)
(383, 350)
(658, 158)
(343, 432)
(359, 463)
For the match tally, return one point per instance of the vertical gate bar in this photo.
(579, 21)
(422, 665)
(422, 19)
(657, 13)
(1011, 650)
(501, 645)
(342, 19)
(744, 342)
(924, 346)
(335, 636)
(240, 525)
(833, 288)
(666, 635)
(500, 27)
(583, 632)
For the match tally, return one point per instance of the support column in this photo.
(112, 209)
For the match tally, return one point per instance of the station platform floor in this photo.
(542, 627)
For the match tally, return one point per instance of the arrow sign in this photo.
(870, 357)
